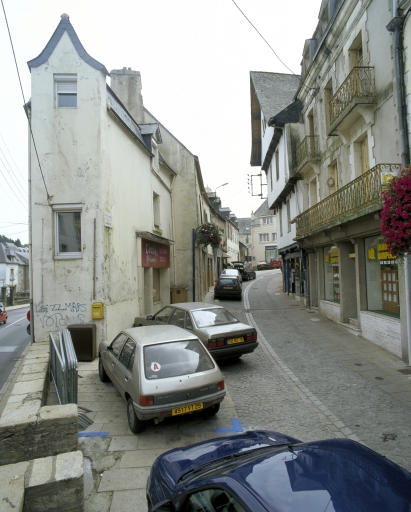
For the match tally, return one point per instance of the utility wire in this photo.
(12, 189)
(263, 38)
(12, 175)
(24, 100)
(12, 163)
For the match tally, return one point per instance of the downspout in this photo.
(193, 241)
(396, 26)
(30, 245)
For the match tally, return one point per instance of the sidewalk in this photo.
(309, 378)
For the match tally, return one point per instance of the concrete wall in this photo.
(331, 310)
(382, 330)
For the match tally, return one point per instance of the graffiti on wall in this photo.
(55, 317)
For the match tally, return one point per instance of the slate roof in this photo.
(9, 254)
(274, 91)
(270, 93)
(244, 224)
(62, 27)
(263, 210)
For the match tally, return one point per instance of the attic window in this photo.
(66, 91)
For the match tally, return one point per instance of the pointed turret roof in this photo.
(65, 26)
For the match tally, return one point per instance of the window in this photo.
(332, 180)
(210, 500)
(267, 220)
(178, 317)
(164, 314)
(127, 354)
(156, 209)
(118, 344)
(264, 237)
(156, 285)
(67, 224)
(280, 219)
(66, 91)
(273, 237)
(332, 274)
(277, 166)
(288, 217)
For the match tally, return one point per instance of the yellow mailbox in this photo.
(97, 310)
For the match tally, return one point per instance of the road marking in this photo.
(340, 428)
(22, 318)
(7, 349)
(236, 427)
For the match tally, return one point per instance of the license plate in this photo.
(231, 341)
(184, 409)
(227, 287)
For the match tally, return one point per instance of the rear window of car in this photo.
(176, 358)
(213, 316)
(229, 281)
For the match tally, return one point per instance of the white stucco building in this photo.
(100, 202)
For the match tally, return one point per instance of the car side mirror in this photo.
(150, 317)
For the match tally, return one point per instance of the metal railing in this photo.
(63, 366)
(307, 150)
(360, 83)
(357, 198)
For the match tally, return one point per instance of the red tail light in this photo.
(238, 287)
(216, 286)
(251, 337)
(220, 385)
(146, 400)
(220, 342)
(211, 344)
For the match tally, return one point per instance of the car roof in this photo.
(151, 334)
(308, 476)
(195, 306)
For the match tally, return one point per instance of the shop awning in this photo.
(147, 235)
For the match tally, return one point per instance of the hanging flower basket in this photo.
(396, 214)
(208, 234)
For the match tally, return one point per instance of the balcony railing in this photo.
(357, 198)
(307, 150)
(359, 86)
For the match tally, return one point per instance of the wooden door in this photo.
(389, 283)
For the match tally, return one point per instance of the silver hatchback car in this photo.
(161, 370)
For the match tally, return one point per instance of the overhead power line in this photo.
(24, 100)
(262, 37)
(12, 163)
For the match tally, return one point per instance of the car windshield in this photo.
(176, 358)
(213, 316)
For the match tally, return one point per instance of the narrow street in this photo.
(13, 341)
(308, 378)
(314, 379)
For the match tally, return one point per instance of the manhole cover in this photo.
(405, 371)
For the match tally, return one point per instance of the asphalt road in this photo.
(13, 340)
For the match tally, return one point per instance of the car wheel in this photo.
(102, 372)
(134, 423)
(211, 411)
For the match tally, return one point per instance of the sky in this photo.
(194, 57)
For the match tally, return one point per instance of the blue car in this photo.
(261, 471)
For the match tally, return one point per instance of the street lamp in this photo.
(223, 185)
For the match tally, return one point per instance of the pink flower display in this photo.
(396, 214)
(208, 234)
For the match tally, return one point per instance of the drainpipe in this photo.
(193, 241)
(396, 27)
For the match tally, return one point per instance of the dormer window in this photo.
(66, 91)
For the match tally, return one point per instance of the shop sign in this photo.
(384, 253)
(155, 255)
(386, 177)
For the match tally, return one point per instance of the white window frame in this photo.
(264, 237)
(70, 83)
(66, 208)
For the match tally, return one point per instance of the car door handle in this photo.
(125, 379)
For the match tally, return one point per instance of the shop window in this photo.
(332, 274)
(156, 285)
(382, 278)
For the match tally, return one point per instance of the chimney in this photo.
(126, 84)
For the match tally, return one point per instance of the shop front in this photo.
(155, 260)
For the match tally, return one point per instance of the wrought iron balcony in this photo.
(357, 88)
(307, 151)
(359, 197)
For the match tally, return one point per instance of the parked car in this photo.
(263, 265)
(160, 371)
(250, 274)
(3, 313)
(275, 263)
(227, 287)
(260, 471)
(232, 272)
(220, 331)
